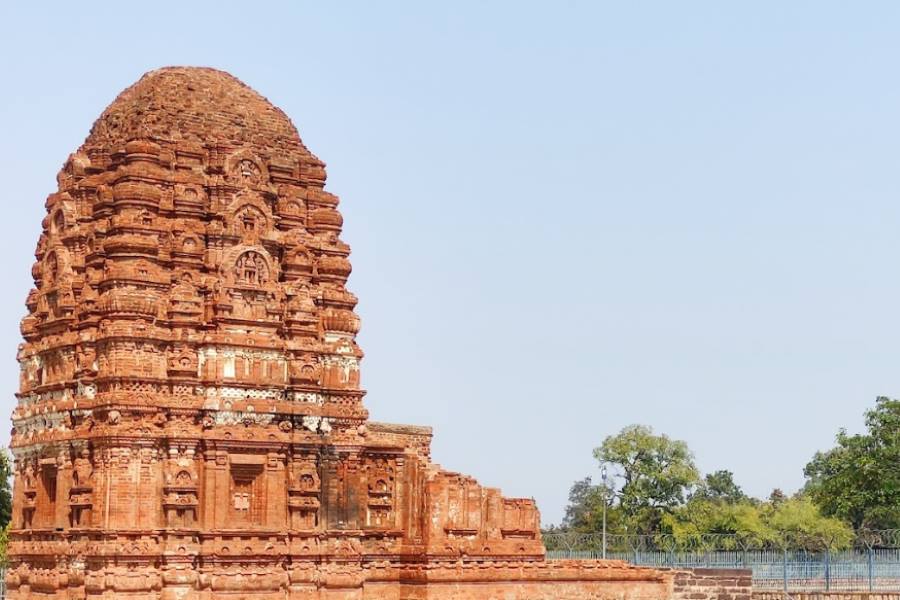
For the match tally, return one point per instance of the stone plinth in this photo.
(190, 422)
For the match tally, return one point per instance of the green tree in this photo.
(5, 491)
(585, 499)
(792, 522)
(701, 517)
(798, 523)
(585, 509)
(858, 480)
(4, 545)
(720, 486)
(777, 497)
(656, 472)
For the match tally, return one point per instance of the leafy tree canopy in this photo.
(798, 523)
(659, 490)
(651, 474)
(793, 523)
(720, 487)
(702, 517)
(858, 480)
(5, 491)
(656, 471)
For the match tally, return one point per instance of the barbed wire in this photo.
(708, 542)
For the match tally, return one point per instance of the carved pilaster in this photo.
(81, 494)
(304, 489)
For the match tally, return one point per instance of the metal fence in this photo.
(869, 562)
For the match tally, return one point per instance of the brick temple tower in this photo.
(190, 422)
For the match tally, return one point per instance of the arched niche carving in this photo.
(292, 208)
(292, 212)
(189, 196)
(247, 169)
(250, 220)
(188, 243)
(58, 224)
(52, 268)
(244, 168)
(252, 269)
(297, 263)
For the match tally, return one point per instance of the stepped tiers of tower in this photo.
(190, 424)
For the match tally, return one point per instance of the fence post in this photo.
(827, 570)
(784, 572)
(871, 561)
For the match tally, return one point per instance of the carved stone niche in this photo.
(520, 519)
(189, 200)
(81, 494)
(29, 492)
(300, 318)
(380, 474)
(180, 500)
(251, 269)
(304, 490)
(304, 370)
(247, 496)
(182, 361)
(291, 211)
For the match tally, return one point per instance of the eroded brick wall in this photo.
(771, 595)
(714, 584)
(535, 590)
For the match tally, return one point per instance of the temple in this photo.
(190, 423)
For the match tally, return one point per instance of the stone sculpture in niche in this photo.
(190, 422)
(251, 269)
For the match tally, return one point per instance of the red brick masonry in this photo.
(713, 584)
(772, 595)
(190, 423)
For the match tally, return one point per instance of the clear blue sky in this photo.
(566, 217)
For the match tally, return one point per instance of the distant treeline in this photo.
(653, 487)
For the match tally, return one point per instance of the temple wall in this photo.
(251, 587)
(563, 580)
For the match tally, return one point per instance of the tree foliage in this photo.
(858, 480)
(794, 523)
(656, 471)
(4, 545)
(660, 491)
(5, 503)
(719, 486)
(799, 523)
(700, 517)
(585, 506)
(5, 491)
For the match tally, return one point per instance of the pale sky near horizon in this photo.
(566, 217)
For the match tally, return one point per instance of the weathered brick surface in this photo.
(190, 423)
(712, 584)
(775, 595)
